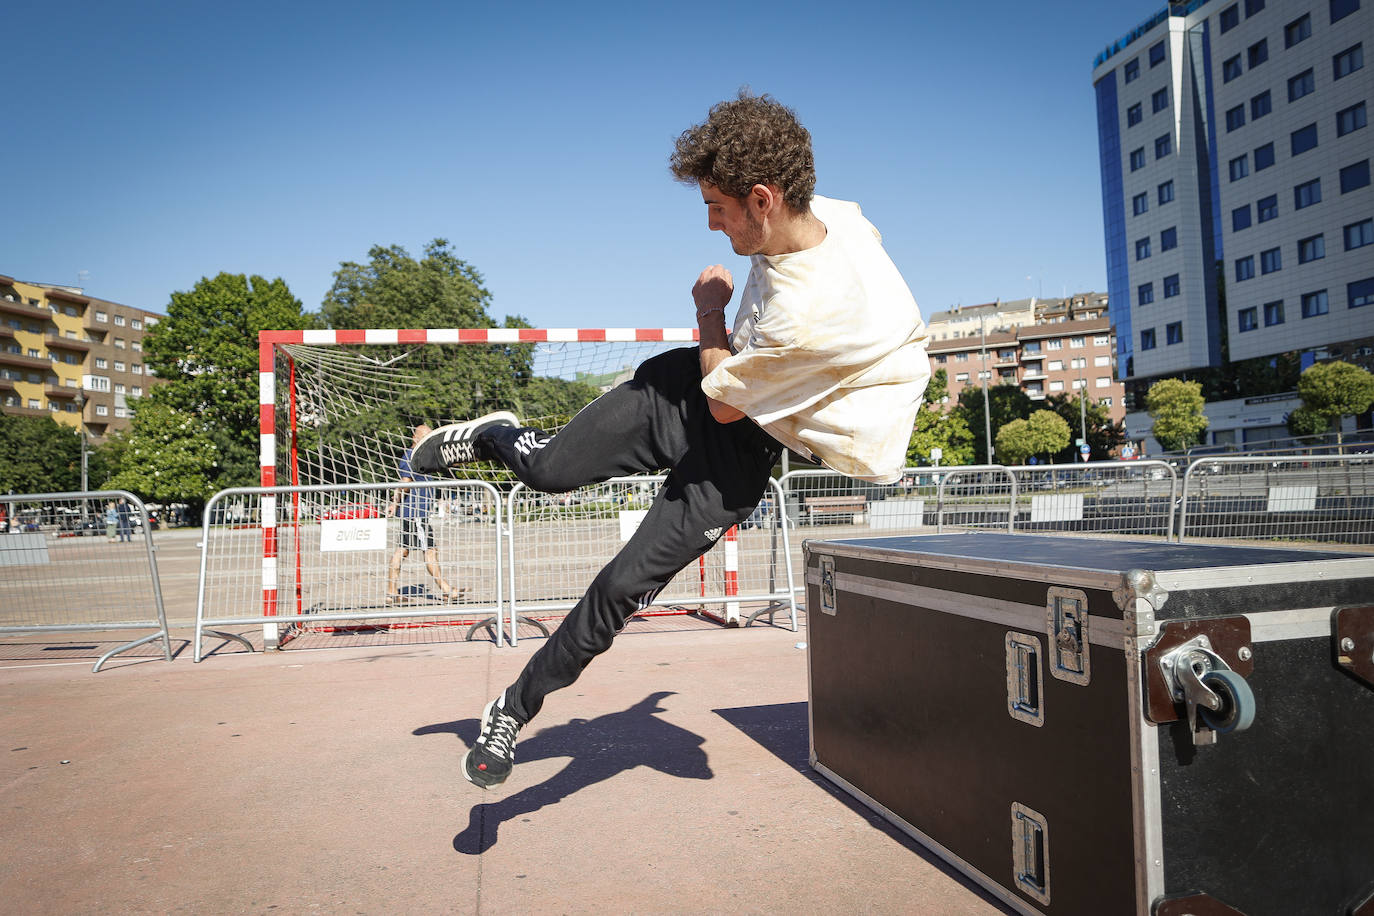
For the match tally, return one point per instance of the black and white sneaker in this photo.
(491, 758)
(455, 444)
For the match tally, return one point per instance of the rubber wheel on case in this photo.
(1237, 711)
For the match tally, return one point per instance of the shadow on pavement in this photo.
(783, 729)
(600, 748)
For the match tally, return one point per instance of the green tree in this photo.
(206, 350)
(1176, 407)
(1104, 436)
(439, 290)
(169, 456)
(1007, 402)
(1329, 391)
(38, 455)
(936, 429)
(1044, 432)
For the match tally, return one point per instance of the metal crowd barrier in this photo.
(559, 542)
(67, 571)
(1327, 498)
(316, 561)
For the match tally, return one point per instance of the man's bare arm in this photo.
(712, 293)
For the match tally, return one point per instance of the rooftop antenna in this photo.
(81, 277)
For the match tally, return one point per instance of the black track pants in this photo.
(658, 420)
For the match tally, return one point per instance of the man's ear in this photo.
(763, 199)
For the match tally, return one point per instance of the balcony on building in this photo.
(28, 362)
(9, 305)
(62, 295)
(53, 342)
(61, 391)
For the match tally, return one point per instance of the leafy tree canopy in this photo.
(38, 455)
(1176, 407)
(1044, 432)
(207, 351)
(1336, 389)
(1007, 402)
(168, 456)
(1104, 436)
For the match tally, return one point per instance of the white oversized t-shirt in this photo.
(829, 350)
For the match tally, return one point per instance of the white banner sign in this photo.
(352, 534)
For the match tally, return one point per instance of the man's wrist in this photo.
(703, 313)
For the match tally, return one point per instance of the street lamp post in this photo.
(1083, 406)
(987, 413)
(81, 425)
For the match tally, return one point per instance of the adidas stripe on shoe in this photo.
(455, 444)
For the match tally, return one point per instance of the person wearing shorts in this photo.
(415, 505)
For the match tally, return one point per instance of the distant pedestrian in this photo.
(126, 528)
(111, 520)
(415, 505)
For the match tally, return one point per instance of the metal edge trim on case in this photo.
(1084, 577)
(997, 890)
(1264, 574)
(1103, 631)
(1298, 623)
(1146, 795)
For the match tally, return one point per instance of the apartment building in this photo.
(1237, 205)
(70, 356)
(1043, 346)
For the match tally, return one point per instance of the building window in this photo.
(100, 362)
(1168, 239)
(1147, 339)
(1314, 304)
(1235, 118)
(1307, 194)
(119, 366)
(119, 389)
(1056, 365)
(1252, 7)
(961, 377)
(1173, 332)
(1312, 248)
(1157, 54)
(1360, 293)
(1230, 69)
(1267, 208)
(1245, 267)
(1258, 53)
(1142, 249)
(1273, 313)
(1260, 106)
(1342, 8)
(1297, 30)
(135, 324)
(1137, 159)
(1354, 176)
(1160, 100)
(1166, 192)
(101, 317)
(1358, 235)
(1347, 62)
(1240, 218)
(1140, 203)
(1132, 69)
(1056, 386)
(1145, 294)
(119, 343)
(1349, 119)
(136, 368)
(136, 391)
(1102, 340)
(101, 410)
(1230, 18)
(136, 345)
(119, 321)
(1301, 85)
(1134, 115)
(1164, 146)
(1055, 344)
(1264, 157)
(1271, 261)
(1171, 286)
(1247, 319)
(1077, 343)
(1303, 139)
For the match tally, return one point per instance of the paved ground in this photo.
(671, 779)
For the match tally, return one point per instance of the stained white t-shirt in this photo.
(829, 350)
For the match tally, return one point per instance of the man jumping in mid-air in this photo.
(827, 358)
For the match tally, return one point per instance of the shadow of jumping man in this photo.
(600, 748)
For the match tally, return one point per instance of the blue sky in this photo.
(154, 143)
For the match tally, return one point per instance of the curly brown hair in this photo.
(751, 140)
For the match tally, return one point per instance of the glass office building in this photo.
(1237, 206)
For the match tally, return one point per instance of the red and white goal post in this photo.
(339, 406)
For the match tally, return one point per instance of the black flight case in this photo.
(1095, 726)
